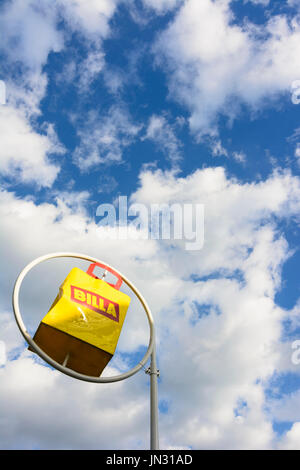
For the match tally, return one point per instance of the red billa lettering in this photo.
(95, 302)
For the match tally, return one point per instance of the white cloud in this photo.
(162, 6)
(107, 184)
(209, 348)
(27, 23)
(30, 32)
(50, 411)
(239, 157)
(92, 20)
(293, 3)
(214, 65)
(238, 211)
(25, 93)
(223, 330)
(291, 440)
(294, 140)
(163, 135)
(24, 153)
(116, 78)
(90, 68)
(2, 353)
(103, 138)
(81, 73)
(286, 408)
(29, 35)
(259, 2)
(297, 152)
(217, 148)
(75, 201)
(92, 17)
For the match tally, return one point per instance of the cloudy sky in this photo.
(162, 101)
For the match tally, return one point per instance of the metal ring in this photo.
(47, 358)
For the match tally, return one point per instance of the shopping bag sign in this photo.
(84, 322)
(95, 302)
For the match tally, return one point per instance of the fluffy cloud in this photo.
(161, 6)
(30, 32)
(214, 309)
(91, 17)
(24, 153)
(87, 416)
(25, 23)
(226, 316)
(214, 65)
(294, 141)
(2, 353)
(292, 439)
(90, 68)
(287, 408)
(297, 152)
(259, 2)
(293, 3)
(103, 138)
(239, 157)
(237, 213)
(24, 150)
(163, 135)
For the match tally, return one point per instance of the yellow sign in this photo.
(83, 325)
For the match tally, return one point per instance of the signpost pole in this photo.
(154, 373)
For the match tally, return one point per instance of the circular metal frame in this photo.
(47, 358)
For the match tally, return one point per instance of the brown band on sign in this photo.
(82, 357)
(95, 302)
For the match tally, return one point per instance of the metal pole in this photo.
(154, 373)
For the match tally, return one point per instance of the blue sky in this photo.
(162, 101)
